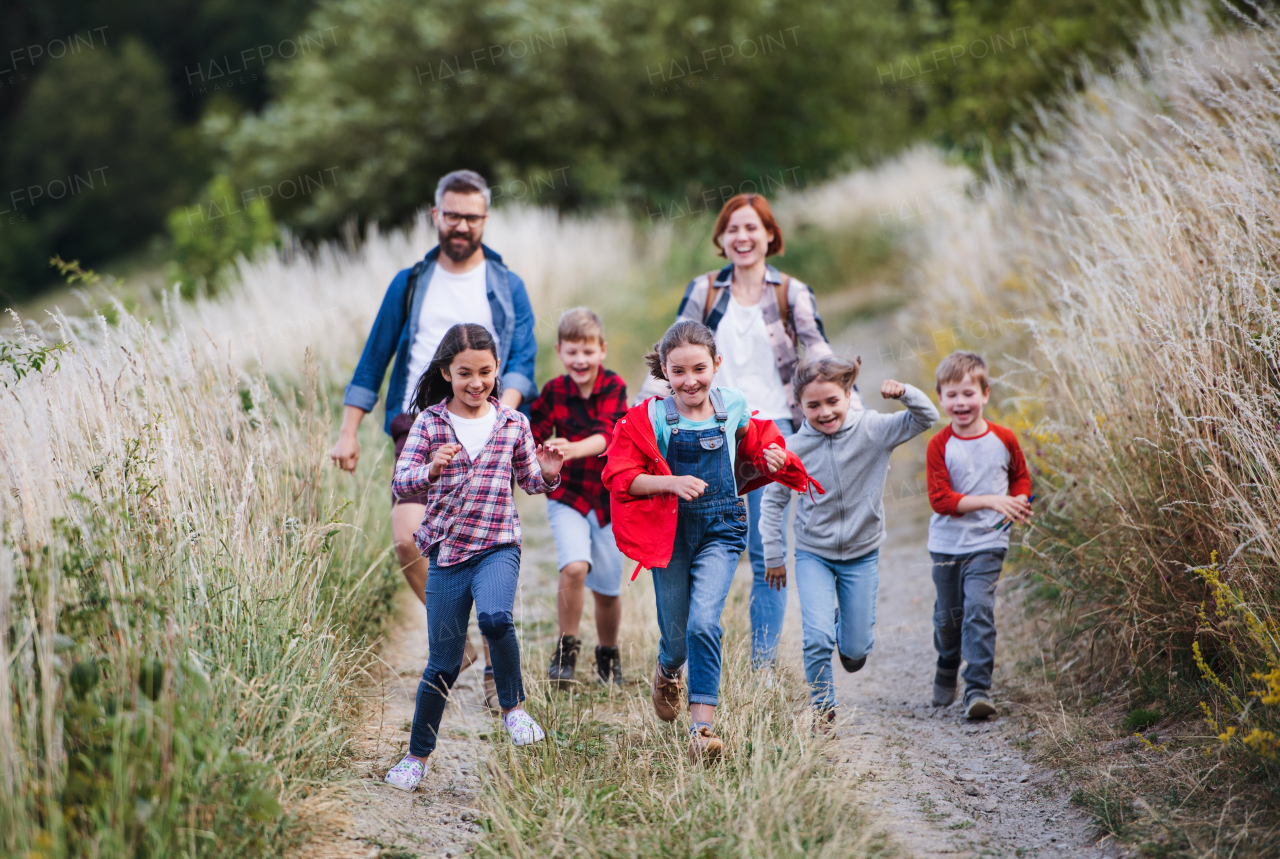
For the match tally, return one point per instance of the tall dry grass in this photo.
(188, 591)
(1127, 298)
(185, 597)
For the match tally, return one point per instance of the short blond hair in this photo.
(957, 365)
(579, 325)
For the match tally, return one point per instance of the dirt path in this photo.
(938, 784)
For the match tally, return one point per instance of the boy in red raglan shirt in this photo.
(978, 482)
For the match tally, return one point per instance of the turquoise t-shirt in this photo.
(735, 403)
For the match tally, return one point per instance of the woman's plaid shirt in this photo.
(469, 509)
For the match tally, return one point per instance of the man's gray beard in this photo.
(446, 245)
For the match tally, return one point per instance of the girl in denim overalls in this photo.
(671, 472)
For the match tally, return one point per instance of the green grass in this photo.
(1139, 720)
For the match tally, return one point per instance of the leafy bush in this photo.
(595, 101)
(210, 234)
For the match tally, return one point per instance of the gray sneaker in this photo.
(944, 687)
(978, 706)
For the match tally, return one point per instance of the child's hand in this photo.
(776, 457)
(1014, 508)
(550, 460)
(776, 577)
(563, 445)
(441, 461)
(688, 487)
(891, 390)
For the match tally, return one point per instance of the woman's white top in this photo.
(748, 362)
(474, 432)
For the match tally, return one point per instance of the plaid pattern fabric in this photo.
(561, 411)
(802, 328)
(804, 325)
(469, 509)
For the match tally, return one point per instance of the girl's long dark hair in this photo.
(432, 386)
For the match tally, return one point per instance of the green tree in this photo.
(208, 235)
(628, 99)
(96, 158)
(647, 101)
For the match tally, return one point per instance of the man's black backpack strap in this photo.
(412, 286)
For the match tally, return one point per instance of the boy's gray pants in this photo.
(964, 616)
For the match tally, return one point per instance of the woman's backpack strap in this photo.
(780, 294)
(712, 313)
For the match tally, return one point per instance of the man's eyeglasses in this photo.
(452, 219)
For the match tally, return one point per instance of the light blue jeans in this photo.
(768, 607)
(851, 587)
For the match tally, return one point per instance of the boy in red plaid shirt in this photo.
(575, 414)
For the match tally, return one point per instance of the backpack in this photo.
(412, 286)
(779, 294)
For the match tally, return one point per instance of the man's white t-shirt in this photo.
(472, 433)
(748, 363)
(450, 299)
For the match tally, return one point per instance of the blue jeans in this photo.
(490, 580)
(964, 615)
(851, 586)
(711, 534)
(768, 607)
(691, 590)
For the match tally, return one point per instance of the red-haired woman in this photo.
(762, 319)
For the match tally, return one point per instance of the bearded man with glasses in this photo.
(458, 281)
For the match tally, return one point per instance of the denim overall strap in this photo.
(704, 453)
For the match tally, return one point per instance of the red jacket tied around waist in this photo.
(644, 526)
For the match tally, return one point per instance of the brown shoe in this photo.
(666, 695)
(705, 746)
(491, 694)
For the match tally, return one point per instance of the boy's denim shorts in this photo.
(580, 538)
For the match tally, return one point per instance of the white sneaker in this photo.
(523, 730)
(406, 774)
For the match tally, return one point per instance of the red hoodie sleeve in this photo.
(1019, 477)
(942, 498)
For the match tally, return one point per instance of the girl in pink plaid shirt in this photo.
(463, 449)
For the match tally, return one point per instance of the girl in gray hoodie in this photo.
(838, 535)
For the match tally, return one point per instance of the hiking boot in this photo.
(608, 665)
(944, 687)
(491, 693)
(852, 665)
(824, 722)
(666, 694)
(978, 705)
(564, 659)
(704, 746)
